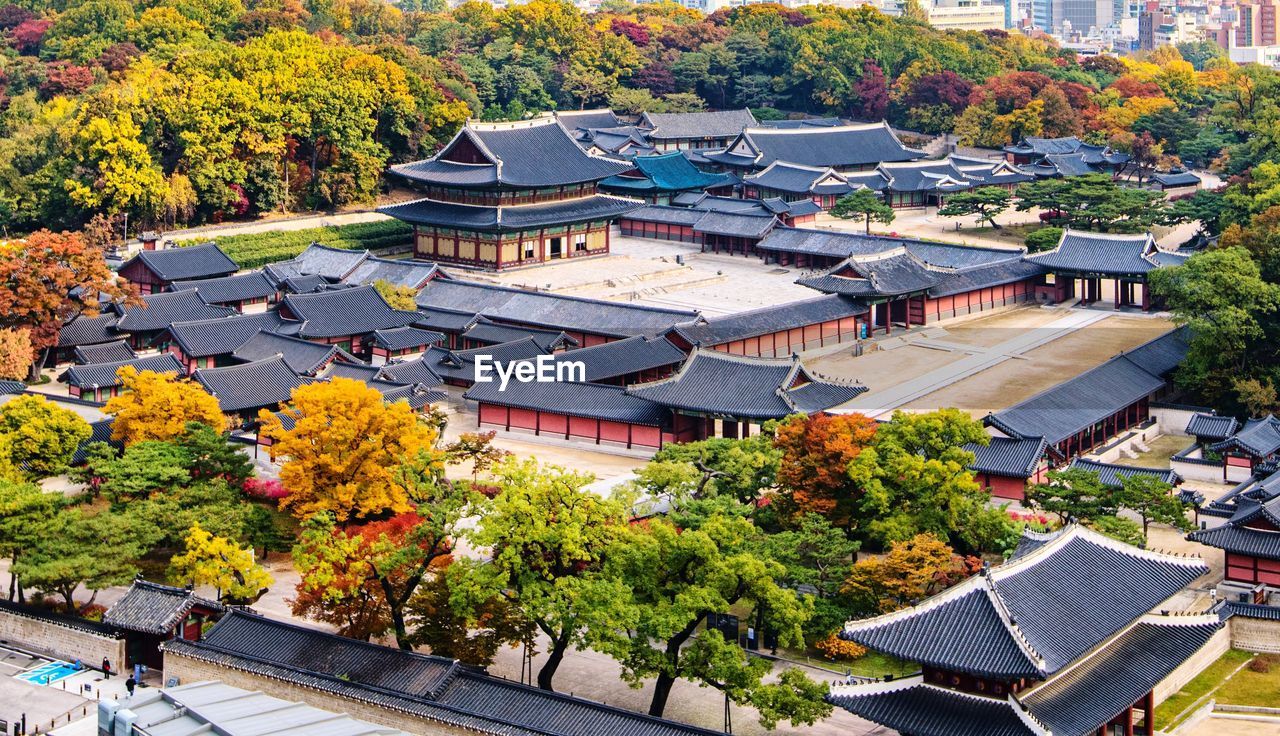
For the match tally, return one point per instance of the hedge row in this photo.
(253, 250)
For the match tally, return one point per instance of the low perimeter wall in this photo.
(1255, 634)
(61, 637)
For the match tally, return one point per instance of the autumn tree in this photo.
(863, 204)
(816, 452)
(48, 279)
(547, 538)
(40, 436)
(158, 406)
(984, 202)
(219, 563)
(675, 578)
(913, 569)
(474, 635)
(476, 448)
(16, 353)
(342, 453)
(397, 296)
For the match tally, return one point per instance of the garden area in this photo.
(1237, 678)
(253, 250)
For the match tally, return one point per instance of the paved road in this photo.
(877, 403)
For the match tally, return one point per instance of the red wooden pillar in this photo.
(1119, 285)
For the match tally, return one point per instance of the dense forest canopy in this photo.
(179, 111)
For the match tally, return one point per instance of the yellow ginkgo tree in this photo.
(220, 563)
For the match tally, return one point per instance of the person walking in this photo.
(106, 668)
(130, 684)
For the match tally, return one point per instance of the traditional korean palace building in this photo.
(1058, 641)
(1245, 524)
(1255, 444)
(1086, 411)
(501, 195)
(656, 179)
(1082, 262)
(99, 381)
(150, 614)
(154, 270)
(1005, 465)
(1070, 156)
(718, 224)
(844, 148)
(253, 291)
(668, 131)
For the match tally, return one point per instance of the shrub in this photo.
(1043, 239)
(252, 250)
(265, 490)
(1263, 663)
(839, 650)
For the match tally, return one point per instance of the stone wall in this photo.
(1217, 646)
(64, 641)
(188, 670)
(1255, 634)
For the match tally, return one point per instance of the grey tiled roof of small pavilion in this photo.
(622, 140)
(429, 687)
(665, 126)
(1037, 146)
(167, 307)
(487, 332)
(784, 176)
(261, 384)
(222, 335)
(303, 357)
(416, 371)
(193, 262)
(1258, 437)
(990, 172)
(1253, 503)
(406, 338)
(844, 146)
(1063, 410)
(889, 273)
(356, 311)
(623, 357)
(510, 218)
(103, 375)
(241, 287)
(574, 119)
(1071, 703)
(735, 224)
(85, 330)
(412, 274)
(303, 284)
(715, 383)
(547, 310)
(460, 365)
(523, 154)
(1111, 473)
(1007, 456)
(924, 176)
(332, 264)
(152, 608)
(1176, 179)
(765, 320)
(1211, 426)
(1101, 253)
(453, 321)
(104, 352)
(590, 400)
(1014, 629)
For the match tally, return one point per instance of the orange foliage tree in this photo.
(816, 452)
(911, 570)
(16, 353)
(158, 406)
(48, 278)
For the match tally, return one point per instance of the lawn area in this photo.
(1162, 448)
(1202, 684)
(875, 664)
(1258, 684)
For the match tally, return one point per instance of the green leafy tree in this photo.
(1045, 238)
(984, 202)
(24, 507)
(1125, 530)
(1073, 493)
(142, 469)
(817, 556)
(863, 204)
(1152, 500)
(41, 436)
(1095, 202)
(547, 537)
(210, 454)
(675, 578)
(740, 468)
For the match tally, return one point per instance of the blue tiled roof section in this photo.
(192, 262)
(668, 172)
(355, 311)
(591, 400)
(163, 309)
(911, 706)
(228, 289)
(1004, 456)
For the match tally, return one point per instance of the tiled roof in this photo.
(548, 310)
(1258, 437)
(452, 321)
(1059, 412)
(797, 179)
(1176, 179)
(530, 153)
(404, 338)
(1005, 456)
(262, 384)
(1251, 529)
(302, 357)
(802, 122)
(925, 176)
(84, 330)
(418, 371)
(715, 383)
(40, 613)
(488, 332)
(319, 260)
(509, 218)
(1012, 628)
(667, 172)
(1251, 610)
(221, 336)
(11, 387)
(839, 147)
(623, 357)
(152, 608)
(734, 224)
(103, 375)
(912, 706)
(164, 309)
(980, 277)
(355, 311)
(831, 243)
(433, 688)
(228, 289)
(193, 262)
(1111, 473)
(680, 125)
(1102, 253)
(766, 320)
(460, 364)
(106, 352)
(892, 272)
(413, 274)
(303, 284)
(1046, 146)
(573, 119)
(355, 371)
(591, 400)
